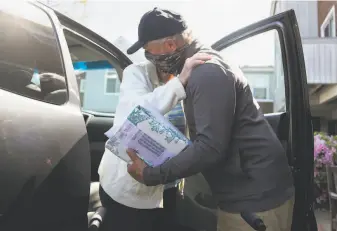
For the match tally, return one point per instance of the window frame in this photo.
(110, 57)
(327, 21)
(267, 95)
(106, 78)
(82, 85)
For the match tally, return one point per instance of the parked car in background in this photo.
(50, 148)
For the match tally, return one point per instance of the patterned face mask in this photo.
(169, 63)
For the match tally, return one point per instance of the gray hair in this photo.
(185, 36)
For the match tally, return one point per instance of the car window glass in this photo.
(30, 61)
(97, 75)
(259, 57)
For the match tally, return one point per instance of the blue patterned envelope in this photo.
(149, 133)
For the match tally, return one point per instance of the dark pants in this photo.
(167, 221)
(122, 218)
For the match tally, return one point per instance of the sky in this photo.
(210, 20)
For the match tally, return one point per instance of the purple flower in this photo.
(323, 153)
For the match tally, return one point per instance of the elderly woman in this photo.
(133, 206)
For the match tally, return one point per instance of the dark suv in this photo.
(50, 146)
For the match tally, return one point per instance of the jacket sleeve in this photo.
(212, 93)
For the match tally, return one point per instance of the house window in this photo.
(328, 27)
(111, 78)
(260, 93)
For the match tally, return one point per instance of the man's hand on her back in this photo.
(190, 63)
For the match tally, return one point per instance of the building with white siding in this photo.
(317, 25)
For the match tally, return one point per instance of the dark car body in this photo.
(50, 150)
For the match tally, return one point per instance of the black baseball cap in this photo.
(157, 24)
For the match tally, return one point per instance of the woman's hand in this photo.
(190, 63)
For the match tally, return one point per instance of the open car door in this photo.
(44, 147)
(50, 149)
(289, 113)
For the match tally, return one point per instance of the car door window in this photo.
(98, 76)
(260, 60)
(30, 60)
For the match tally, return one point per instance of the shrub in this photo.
(324, 154)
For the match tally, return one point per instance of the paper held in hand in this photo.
(148, 132)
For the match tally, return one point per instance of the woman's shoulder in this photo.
(143, 70)
(144, 66)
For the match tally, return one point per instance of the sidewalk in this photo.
(323, 220)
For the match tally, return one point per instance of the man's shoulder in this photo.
(215, 69)
(205, 77)
(206, 73)
(214, 76)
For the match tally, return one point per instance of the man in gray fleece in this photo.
(234, 147)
